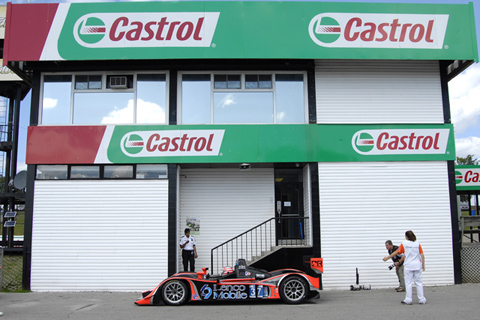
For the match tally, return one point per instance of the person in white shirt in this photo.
(414, 265)
(189, 251)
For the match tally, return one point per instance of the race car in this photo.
(241, 283)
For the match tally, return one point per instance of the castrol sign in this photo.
(369, 30)
(400, 141)
(467, 177)
(142, 29)
(168, 143)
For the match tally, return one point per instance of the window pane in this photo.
(95, 82)
(251, 81)
(45, 172)
(290, 98)
(118, 172)
(265, 81)
(81, 82)
(151, 98)
(220, 81)
(57, 91)
(84, 172)
(151, 171)
(243, 107)
(103, 108)
(196, 89)
(256, 81)
(233, 81)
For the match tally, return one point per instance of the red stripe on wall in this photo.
(63, 145)
(27, 28)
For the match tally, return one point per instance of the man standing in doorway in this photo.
(398, 261)
(189, 251)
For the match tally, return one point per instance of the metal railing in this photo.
(260, 240)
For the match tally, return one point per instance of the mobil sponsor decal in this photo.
(169, 143)
(467, 176)
(369, 30)
(401, 141)
(146, 29)
(224, 292)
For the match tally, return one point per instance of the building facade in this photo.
(315, 128)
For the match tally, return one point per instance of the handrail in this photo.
(259, 240)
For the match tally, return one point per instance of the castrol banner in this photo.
(239, 30)
(467, 177)
(238, 143)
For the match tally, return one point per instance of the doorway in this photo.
(289, 205)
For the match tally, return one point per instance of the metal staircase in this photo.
(259, 242)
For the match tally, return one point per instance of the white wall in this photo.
(378, 91)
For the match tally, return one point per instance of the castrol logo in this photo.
(401, 141)
(146, 29)
(467, 176)
(169, 143)
(399, 31)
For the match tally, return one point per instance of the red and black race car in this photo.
(241, 283)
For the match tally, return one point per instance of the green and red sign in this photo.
(467, 177)
(240, 30)
(239, 143)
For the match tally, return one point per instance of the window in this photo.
(152, 171)
(57, 92)
(124, 171)
(104, 99)
(118, 172)
(52, 172)
(85, 172)
(239, 98)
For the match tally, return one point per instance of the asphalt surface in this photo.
(446, 302)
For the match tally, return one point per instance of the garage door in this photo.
(99, 235)
(364, 204)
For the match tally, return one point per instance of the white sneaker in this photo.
(422, 302)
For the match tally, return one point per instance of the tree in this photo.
(468, 160)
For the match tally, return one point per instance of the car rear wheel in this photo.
(174, 293)
(294, 289)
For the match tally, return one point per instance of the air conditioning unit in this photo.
(118, 82)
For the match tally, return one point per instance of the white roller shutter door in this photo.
(356, 91)
(99, 235)
(227, 202)
(364, 204)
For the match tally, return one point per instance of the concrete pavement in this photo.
(447, 302)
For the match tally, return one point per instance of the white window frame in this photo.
(242, 89)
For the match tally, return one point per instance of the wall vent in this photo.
(119, 82)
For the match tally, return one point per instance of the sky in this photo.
(464, 90)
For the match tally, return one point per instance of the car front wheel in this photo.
(174, 293)
(294, 289)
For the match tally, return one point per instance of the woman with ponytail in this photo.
(414, 264)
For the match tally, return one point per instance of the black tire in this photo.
(174, 293)
(294, 289)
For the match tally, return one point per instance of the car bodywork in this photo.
(243, 284)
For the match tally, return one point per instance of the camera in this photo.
(391, 267)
